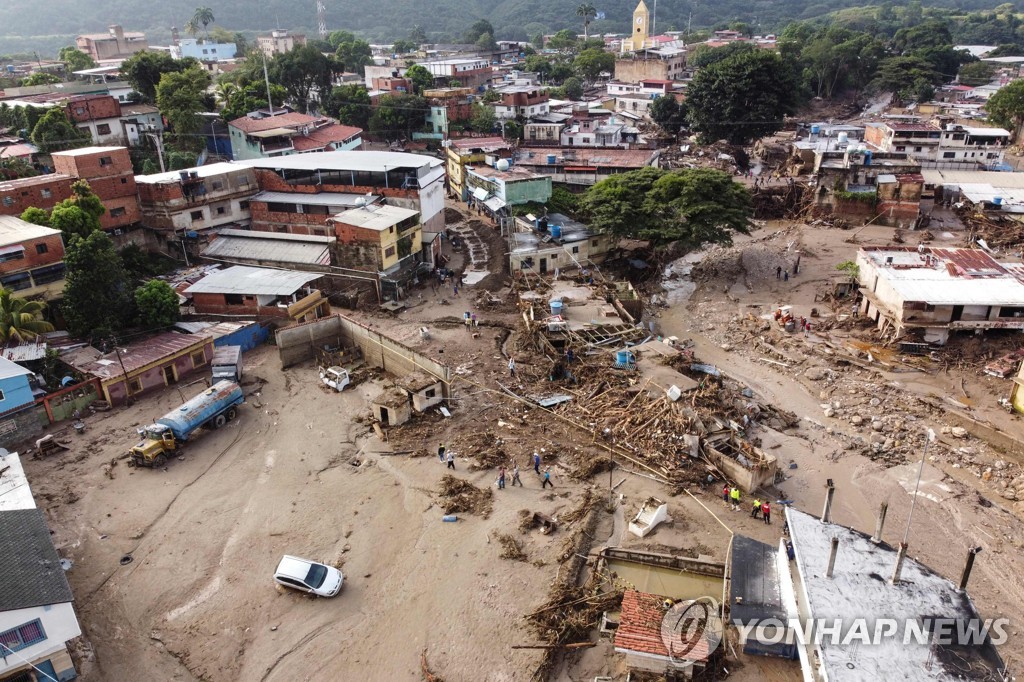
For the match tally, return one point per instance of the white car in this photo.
(308, 576)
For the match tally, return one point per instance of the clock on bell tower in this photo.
(641, 21)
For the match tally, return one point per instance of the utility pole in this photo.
(266, 79)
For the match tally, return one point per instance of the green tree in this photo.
(54, 133)
(144, 69)
(573, 88)
(904, 75)
(476, 30)
(204, 16)
(403, 46)
(36, 216)
(96, 298)
(563, 40)
(483, 118)
(75, 60)
(490, 97)
(351, 105)
(420, 78)
(78, 215)
(252, 97)
(668, 114)
(355, 55)
(706, 56)
(302, 72)
(741, 98)
(590, 64)
(39, 78)
(977, 73)
(157, 303)
(486, 43)
(539, 65)
(691, 206)
(587, 12)
(180, 97)
(397, 116)
(417, 35)
(12, 168)
(21, 320)
(1006, 107)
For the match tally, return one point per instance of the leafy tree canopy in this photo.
(54, 133)
(397, 116)
(351, 105)
(21, 320)
(96, 299)
(181, 97)
(144, 70)
(1006, 107)
(591, 63)
(39, 78)
(157, 304)
(75, 60)
(741, 98)
(302, 72)
(478, 29)
(669, 114)
(692, 206)
(420, 78)
(251, 97)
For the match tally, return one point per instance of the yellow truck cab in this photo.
(157, 441)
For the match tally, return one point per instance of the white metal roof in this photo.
(320, 199)
(935, 176)
(9, 369)
(242, 279)
(912, 280)
(270, 247)
(369, 161)
(15, 492)
(204, 171)
(87, 150)
(15, 230)
(375, 217)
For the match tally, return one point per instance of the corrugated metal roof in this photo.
(242, 279)
(29, 563)
(956, 277)
(243, 245)
(375, 217)
(138, 354)
(15, 231)
(340, 199)
(9, 369)
(369, 161)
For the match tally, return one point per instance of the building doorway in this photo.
(170, 376)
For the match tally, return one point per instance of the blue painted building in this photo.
(15, 391)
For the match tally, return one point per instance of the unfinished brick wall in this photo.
(91, 108)
(266, 220)
(109, 173)
(50, 253)
(17, 195)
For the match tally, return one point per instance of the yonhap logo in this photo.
(692, 630)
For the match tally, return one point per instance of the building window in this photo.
(575, 249)
(917, 149)
(243, 205)
(901, 148)
(8, 201)
(134, 386)
(103, 129)
(217, 184)
(124, 181)
(948, 155)
(198, 359)
(430, 393)
(389, 252)
(593, 242)
(16, 282)
(196, 215)
(106, 161)
(13, 255)
(234, 299)
(42, 248)
(23, 636)
(2, 398)
(929, 308)
(221, 210)
(45, 193)
(116, 212)
(51, 273)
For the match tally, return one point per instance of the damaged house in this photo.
(931, 292)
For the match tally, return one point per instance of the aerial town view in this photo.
(513, 341)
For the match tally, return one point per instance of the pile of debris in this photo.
(462, 497)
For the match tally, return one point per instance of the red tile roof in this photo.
(640, 628)
(255, 125)
(139, 354)
(322, 137)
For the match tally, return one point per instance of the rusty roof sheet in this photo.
(640, 627)
(141, 353)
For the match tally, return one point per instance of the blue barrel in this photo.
(556, 307)
(623, 357)
(556, 231)
(815, 130)
(997, 201)
(551, 159)
(450, 518)
(867, 157)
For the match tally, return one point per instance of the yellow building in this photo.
(462, 153)
(378, 238)
(641, 29)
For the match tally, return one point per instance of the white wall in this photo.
(59, 625)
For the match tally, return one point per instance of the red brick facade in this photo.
(93, 107)
(265, 220)
(44, 191)
(38, 252)
(109, 172)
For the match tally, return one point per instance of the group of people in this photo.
(470, 320)
(446, 456)
(731, 496)
(783, 273)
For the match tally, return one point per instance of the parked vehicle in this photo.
(308, 576)
(214, 407)
(227, 363)
(335, 377)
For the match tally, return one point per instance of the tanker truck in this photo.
(214, 407)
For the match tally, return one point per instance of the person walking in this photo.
(766, 512)
(778, 272)
(501, 478)
(451, 459)
(440, 452)
(468, 322)
(515, 475)
(756, 509)
(455, 290)
(725, 494)
(547, 479)
(734, 495)
(785, 275)
(536, 462)
(512, 367)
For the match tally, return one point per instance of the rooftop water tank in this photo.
(843, 138)
(503, 165)
(556, 231)
(556, 306)
(998, 201)
(815, 129)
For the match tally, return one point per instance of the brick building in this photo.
(302, 213)
(109, 172)
(259, 292)
(109, 122)
(116, 43)
(31, 259)
(42, 191)
(285, 133)
(666, 63)
(197, 199)
(378, 238)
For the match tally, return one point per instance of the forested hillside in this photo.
(31, 24)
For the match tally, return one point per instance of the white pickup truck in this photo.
(334, 377)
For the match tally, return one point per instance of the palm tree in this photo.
(587, 12)
(192, 27)
(204, 16)
(20, 319)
